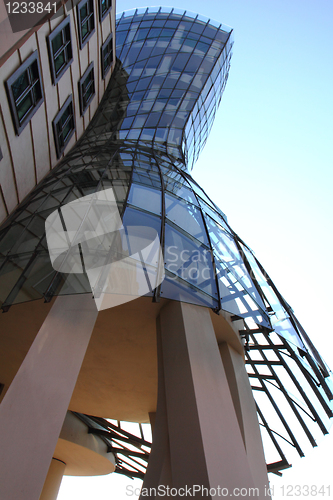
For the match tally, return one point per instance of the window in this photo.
(60, 49)
(86, 21)
(87, 88)
(104, 8)
(64, 126)
(25, 92)
(106, 56)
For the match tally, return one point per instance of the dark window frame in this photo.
(104, 13)
(61, 144)
(106, 69)
(90, 19)
(66, 48)
(20, 123)
(84, 103)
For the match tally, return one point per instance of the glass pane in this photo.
(67, 129)
(176, 289)
(186, 216)
(65, 115)
(9, 238)
(57, 42)
(147, 178)
(183, 192)
(88, 95)
(59, 135)
(34, 71)
(9, 275)
(30, 237)
(75, 283)
(59, 61)
(84, 11)
(20, 85)
(37, 93)
(88, 79)
(269, 293)
(287, 331)
(235, 298)
(84, 29)
(35, 276)
(146, 198)
(24, 106)
(189, 260)
(217, 216)
(67, 32)
(134, 217)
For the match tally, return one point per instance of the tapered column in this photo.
(203, 441)
(246, 412)
(34, 407)
(53, 480)
(159, 467)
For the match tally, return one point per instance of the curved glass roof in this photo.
(149, 128)
(177, 65)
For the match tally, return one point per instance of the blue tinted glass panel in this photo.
(236, 299)
(186, 216)
(287, 331)
(279, 311)
(181, 191)
(134, 217)
(227, 252)
(146, 198)
(189, 260)
(175, 288)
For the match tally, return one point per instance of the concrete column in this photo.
(159, 468)
(53, 480)
(204, 444)
(34, 407)
(246, 412)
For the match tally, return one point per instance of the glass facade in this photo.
(153, 120)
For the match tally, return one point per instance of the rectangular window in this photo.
(64, 126)
(60, 49)
(87, 88)
(106, 56)
(104, 8)
(86, 20)
(25, 92)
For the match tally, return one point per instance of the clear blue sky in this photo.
(268, 164)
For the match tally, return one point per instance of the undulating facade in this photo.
(207, 353)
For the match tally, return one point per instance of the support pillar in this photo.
(246, 412)
(197, 439)
(53, 480)
(34, 407)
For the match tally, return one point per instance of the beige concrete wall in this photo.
(28, 157)
(53, 480)
(7, 37)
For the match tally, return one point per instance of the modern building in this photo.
(211, 355)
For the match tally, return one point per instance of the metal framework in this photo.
(131, 452)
